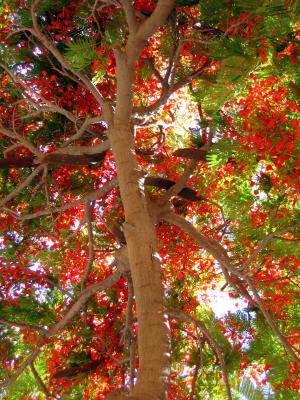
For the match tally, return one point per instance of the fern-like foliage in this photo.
(247, 391)
(81, 53)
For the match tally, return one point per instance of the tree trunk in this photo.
(153, 333)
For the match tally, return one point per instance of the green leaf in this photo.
(82, 53)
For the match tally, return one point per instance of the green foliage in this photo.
(228, 150)
(249, 392)
(264, 8)
(115, 31)
(28, 310)
(220, 153)
(24, 386)
(81, 53)
(232, 170)
(213, 10)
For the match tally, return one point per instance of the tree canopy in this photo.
(149, 170)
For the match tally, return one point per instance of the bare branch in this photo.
(83, 298)
(88, 218)
(22, 186)
(198, 366)
(181, 183)
(132, 356)
(212, 246)
(82, 129)
(80, 150)
(127, 335)
(288, 347)
(167, 91)
(157, 18)
(220, 254)
(23, 141)
(90, 196)
(25, 364)
(265, 242)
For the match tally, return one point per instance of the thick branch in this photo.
(81, 150)
(130, 15)
(51, 158)
(219, 253)
(157, 18)
(212, 246)
(17, 162)
(288, 347)
(181, 183)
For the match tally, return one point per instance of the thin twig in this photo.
(90, 196)
(89, 206)
(264, 243)
(21, 186)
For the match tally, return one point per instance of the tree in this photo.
(149, 159)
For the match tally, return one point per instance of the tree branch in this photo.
(288, 347)
(157, 18)
(130, 15)
(69, 316)
(167, 91)
(78, 150)
(90, 196)
(22, 186)
(36, 31)
(89, 206)
(220, 254)
(181, 316)
(265, 242)
(212, 246)
(23, 141)
(181, 183)
(40, 382)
